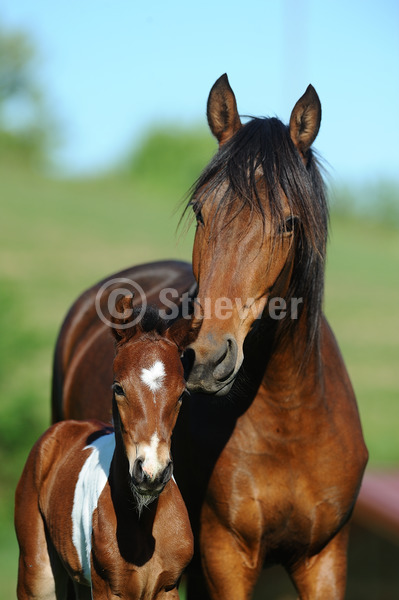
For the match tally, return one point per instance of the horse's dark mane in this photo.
(263, 149)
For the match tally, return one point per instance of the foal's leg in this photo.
(35, 572)
(231, 565)
(35, 575)
(41, 575)
(324, 575)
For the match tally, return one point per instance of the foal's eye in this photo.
(118, 389)
(184, 396)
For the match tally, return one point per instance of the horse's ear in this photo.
(221, 111)
(305, 120)
(181, 333)
(122, 317)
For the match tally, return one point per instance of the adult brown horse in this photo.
(271, 471)
(79, 511)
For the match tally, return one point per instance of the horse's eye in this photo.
(118, 389)
(196, 206)
(199, 217)
(289, 225)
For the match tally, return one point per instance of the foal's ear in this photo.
(122, 317)
(181, 333)
(222, 112)
(305, 120)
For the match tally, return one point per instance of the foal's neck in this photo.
(134, 537)
(123, 498)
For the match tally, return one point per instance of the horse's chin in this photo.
(221, 391)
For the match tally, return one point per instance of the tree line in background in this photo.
(26, 127)
(169, 157)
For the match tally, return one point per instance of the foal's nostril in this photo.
(226, 362)
(137, 471)
(167, 473)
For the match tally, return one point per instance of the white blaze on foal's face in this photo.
(151, 464)
(154, 376)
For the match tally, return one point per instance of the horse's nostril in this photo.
(188, 359)
(137, 471)
(226, 362)
(222, 356)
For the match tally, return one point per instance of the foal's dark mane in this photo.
(149, 323)
(263, 150)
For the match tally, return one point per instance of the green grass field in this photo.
(59, 237)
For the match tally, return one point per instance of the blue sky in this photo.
(110, 69)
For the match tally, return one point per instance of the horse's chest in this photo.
(271, 494)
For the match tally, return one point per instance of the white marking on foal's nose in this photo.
(151, 464)
(154, 376)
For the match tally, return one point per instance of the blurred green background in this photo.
(59, 236)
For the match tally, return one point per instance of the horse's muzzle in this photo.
(216, 374)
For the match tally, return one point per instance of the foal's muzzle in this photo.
(146, 485)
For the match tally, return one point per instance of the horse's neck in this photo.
(287, 367)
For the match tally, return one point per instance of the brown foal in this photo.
(98, 513)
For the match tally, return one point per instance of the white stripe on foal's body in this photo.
(154, 376)
(91, 482)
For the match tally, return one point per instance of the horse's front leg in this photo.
(231, 564)
(324, 575)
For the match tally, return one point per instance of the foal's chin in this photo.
(144, 497)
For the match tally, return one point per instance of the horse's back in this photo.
(84, 353)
